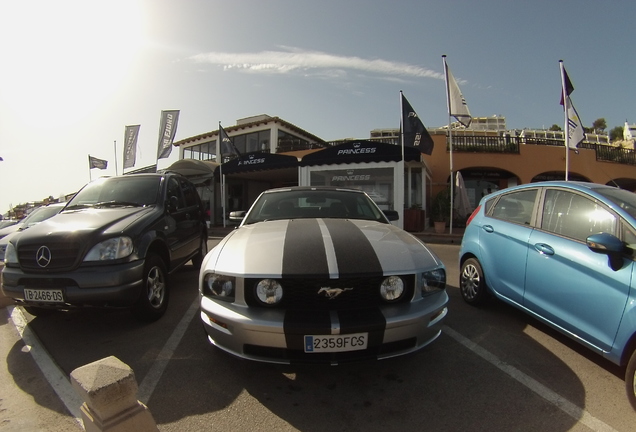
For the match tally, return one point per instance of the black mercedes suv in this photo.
(113, 245)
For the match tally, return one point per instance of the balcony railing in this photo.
(510, 144)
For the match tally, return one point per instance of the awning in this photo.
(195, 170)
(360, 151)
(258, 162)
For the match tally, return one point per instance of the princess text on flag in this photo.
(457, 106)
(93, 162)
(227, 146)
(413, 130)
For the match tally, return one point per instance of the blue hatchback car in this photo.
(563, 252)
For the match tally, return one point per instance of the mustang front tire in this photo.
(153, 300)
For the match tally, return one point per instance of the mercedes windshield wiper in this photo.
(78, 206)
(115, 203)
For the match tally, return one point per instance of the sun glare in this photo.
(63, 58)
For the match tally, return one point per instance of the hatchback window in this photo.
(515, 207)
(575, 216)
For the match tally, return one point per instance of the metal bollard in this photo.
(109, 390)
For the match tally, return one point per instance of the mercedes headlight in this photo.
(269, 292)
(433, 281)
(10, 254)
(111, 249)
(219, 287)
(392, 288)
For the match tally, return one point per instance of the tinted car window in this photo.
(174, 194)
(515, 207)
(621, 197)
(189, 193)
(575, 216)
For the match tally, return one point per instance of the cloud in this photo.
(295, 60)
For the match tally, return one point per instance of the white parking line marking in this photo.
(147, 386)
(579, 414)
(53, 374)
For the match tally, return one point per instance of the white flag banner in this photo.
(457, 104)
(575, 131)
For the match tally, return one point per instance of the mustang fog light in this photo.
(433, 281)
(269, 292)
(219, 286)
(392, 288)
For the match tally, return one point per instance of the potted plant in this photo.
(440, 210)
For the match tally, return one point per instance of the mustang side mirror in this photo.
(237, 215)
(609, 245)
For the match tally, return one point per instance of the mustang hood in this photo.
(330, 248)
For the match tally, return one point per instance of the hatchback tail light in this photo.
(473, 214)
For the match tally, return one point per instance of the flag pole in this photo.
(115, 146)
(222, 176)
(89, 168)
(450, 142)
(566, 121)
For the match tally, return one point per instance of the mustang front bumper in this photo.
(277, 335)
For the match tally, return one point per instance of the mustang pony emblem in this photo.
(332, 293)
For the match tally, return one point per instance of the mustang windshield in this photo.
(124, 191)
(310, 203)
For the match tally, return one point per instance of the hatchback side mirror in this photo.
(609, 245)
(391, 215)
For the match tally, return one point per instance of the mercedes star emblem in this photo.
(43, 256)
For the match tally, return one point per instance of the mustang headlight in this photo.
(392, 288)
(111, 249)
(433, 281)
(269, 292)
(220, 287)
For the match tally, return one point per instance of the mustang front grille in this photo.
(330, 294)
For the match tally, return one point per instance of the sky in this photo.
(74, 73)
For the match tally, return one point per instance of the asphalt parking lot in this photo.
(491, 369)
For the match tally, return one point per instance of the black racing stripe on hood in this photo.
(304, 250)
(297, 324)
(365, 320)
(354, 253)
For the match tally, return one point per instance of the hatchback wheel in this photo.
(472, 282)
(630, 380)
(153, 299)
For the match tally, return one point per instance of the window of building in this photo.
(289, 142)
(376, 182)
(205, 151)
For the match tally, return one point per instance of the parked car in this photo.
(563, 252)
(38, 215)
(7, 222)
(113, 245)
(319, 275)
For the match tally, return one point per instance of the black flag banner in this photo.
(415, 133)
(93, 162)
(167, 131)
(130, 145)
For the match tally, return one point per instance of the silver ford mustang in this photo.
(319, 275)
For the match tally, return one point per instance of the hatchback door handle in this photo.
(488, 228)
(544, 248)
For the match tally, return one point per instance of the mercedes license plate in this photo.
(336, 343)
(45, 296)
